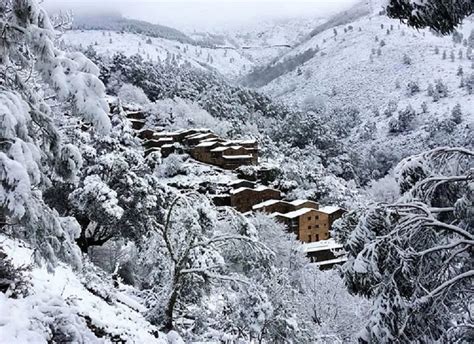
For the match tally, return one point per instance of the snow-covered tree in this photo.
(414, 257)
(185, 254)
(439, 15)
(456, 114)
(117, 194)
(31, 148)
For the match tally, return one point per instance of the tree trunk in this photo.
(168, 323)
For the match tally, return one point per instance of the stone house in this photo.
(333, 213)
(306, 223)
(146, 134)
(243, 199)
(310, 224)
(194, 139)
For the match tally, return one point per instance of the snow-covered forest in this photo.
(301, 180)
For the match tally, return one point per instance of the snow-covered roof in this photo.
(199, 136)
(167, 146)
(266, 203)
(331, 261)
(221, 149)
(247, 142)
(236, 157)
(298, 202)
(296, 213)
(165, 133)
(329, 209)
(213, 139)
(238, 181)
(322, 245)
(259, 188)
(207, 144)
(161, 139)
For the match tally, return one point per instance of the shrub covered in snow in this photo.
(131, 94)
(172, 166)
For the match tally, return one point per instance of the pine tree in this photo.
(456, 114)
(407, 60)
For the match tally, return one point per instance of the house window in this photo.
(316, 226)
(317, 217)
(317, 237)
(309, 227)
(309, 218)
(309, 238)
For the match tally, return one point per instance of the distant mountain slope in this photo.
(266, 40)
(229, 62)
(115, 22)
(352, 14)
(365, 67)
(370, 80)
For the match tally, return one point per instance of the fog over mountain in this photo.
(205, 15)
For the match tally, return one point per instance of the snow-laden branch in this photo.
(438, 224)
(227, 238)
(447, 284)
(446, 247)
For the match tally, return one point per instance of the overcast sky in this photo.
(206, 14)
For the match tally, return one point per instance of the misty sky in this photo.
(205, 14)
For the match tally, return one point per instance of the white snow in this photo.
(329, 209)
(321, 245)
(61, 299)
(266, 204)
(296, 213)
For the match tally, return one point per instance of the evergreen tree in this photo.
(456, 114)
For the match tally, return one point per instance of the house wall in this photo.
(313, 226)
(280, 207)
(246, 199)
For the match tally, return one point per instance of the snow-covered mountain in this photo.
(362, 63)
(266, 40)
(231, 52)
(386, 73)
(229, 61)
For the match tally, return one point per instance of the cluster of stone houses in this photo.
(310, 222)
(202, 145)
(305, 218)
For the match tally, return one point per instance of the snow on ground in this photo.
(196, 172)
(60, 302)
(229, 62)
